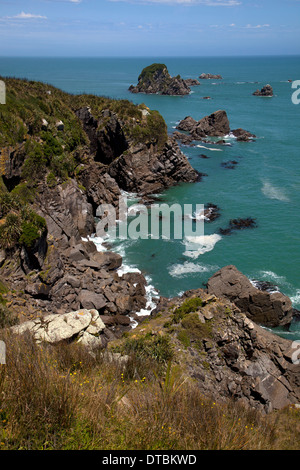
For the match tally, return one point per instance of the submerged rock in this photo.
(238, 224)
(230, 165)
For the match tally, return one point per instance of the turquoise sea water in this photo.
(265, 183)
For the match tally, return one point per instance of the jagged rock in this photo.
(210, 76)
(216, 124)
(183, 138)
(107, 139)
(192, 82)
(91, 300)
(156, 79)
(66, 210)
(267, 90)
(260, 306)
(144, 171)
(56, 328)
(100, 187)
(233, 356)
(242, 135)
(107, 260)
(187, 124)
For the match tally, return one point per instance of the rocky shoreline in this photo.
(62, 271)
(63, 289)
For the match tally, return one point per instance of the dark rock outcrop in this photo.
(267, 90)
(242, 135)
(238, 224)
(214, 125)
(260, 306)
(146, 171)
(187, 124)
(156, 79)
(192, 82)
(107, 139)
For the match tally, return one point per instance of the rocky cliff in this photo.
(227, 355)
(68, 155)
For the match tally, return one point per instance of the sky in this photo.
(133, 28)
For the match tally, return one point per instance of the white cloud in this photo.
(258, 26)
(26, 16)
(214, 3)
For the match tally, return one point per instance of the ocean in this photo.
(264, 184)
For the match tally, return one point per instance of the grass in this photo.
(62, 398)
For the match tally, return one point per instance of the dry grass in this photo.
(62, 398)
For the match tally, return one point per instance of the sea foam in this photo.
(196, 246)
(272, 192)
(181, 270)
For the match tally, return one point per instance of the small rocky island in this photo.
(155, 79)
(214, 125)
(267, 90)
(210, 76)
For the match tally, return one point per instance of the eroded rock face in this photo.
(107, 139)
(260, 306)
(145, 171)
(216, 124)
(66, 210)
(242, 135)
(228, 355)
(156, 79)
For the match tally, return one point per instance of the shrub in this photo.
(188, 306)
(7, 318)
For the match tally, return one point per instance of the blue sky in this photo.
(149, 27)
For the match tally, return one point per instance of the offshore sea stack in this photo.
(267, 90)
(210, 76)
(214, 125)
(155, 79)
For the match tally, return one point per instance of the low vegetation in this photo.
(63, 398)
(20, 225)
(45, 151)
